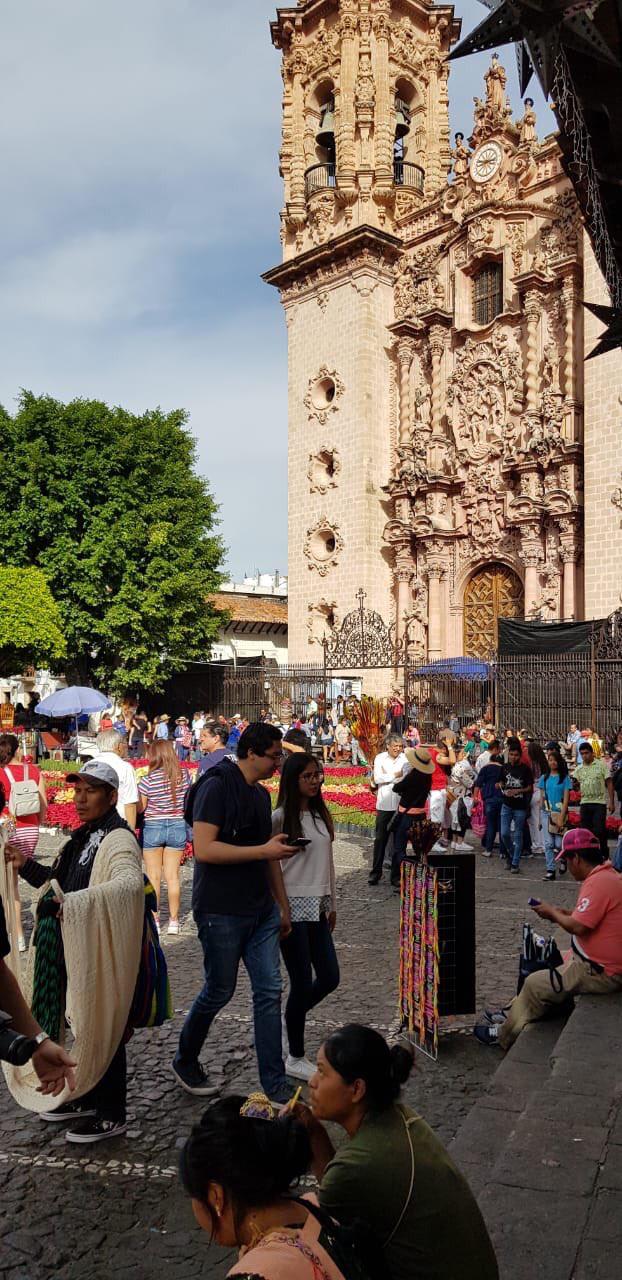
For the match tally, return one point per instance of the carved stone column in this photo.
(297, 68)
(570, 297)
(346, 154)
(436, 572)
(531, 556)
(569, 553)
(384, 124)
(532, 312)
(437, 347)
(405, 351)
(403, 578)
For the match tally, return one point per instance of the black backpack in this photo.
(354, 1249)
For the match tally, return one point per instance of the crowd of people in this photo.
(264, 893)
(510, 790)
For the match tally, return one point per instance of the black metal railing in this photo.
(409, 175)
(319, 177)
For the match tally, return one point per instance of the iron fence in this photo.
(545, 693)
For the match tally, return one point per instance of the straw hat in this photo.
(420, 758)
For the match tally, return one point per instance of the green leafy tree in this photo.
(30, 621)
(109, 506)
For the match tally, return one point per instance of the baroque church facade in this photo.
(450, 451)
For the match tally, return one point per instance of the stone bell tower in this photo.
(365, 146)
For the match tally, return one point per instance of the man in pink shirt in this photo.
(594, 962)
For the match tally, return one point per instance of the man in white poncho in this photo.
(86, 969)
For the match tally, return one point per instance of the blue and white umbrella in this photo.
(77, 700)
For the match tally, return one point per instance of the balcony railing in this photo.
(409, 175)
(318, 177)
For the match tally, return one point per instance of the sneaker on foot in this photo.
(96, 1130)
(486, 1034)
(299, 1068)
(461, 847)
(495, 1016)
(193, 1078)
(67, 1111)
(563, 866)
(515, 870)
(486, 853)
(549, 875)
(173, 926)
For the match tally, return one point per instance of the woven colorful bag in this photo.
(152, 1004)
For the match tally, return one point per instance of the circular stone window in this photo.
(323, 393)
(323, 544)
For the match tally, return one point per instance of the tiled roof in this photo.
(252, 608)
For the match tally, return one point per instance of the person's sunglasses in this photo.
(272, 755)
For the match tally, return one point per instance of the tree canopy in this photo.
(109, 506)
(30, 621)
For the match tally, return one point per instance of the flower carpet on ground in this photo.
(346, 792)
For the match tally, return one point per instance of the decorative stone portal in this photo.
(493, 592)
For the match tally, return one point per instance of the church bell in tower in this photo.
(326, 135)
(402, 119)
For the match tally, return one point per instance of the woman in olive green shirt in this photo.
(393, 1173)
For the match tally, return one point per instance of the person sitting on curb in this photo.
(594, 963)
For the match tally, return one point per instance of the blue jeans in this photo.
(518, 817)
(552, 845)
(226, 940)
(492, 809)
(164, 833)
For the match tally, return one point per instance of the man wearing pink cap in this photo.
(594, 962)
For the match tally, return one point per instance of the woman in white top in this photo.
(309, 877)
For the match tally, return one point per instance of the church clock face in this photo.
(486, 161)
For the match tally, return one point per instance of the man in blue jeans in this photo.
(239, 905)
(516, 787)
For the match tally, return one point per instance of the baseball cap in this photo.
(99, 772)
(576, 840)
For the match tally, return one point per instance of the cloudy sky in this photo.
(138, 149)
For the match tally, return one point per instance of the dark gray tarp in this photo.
(545, 637)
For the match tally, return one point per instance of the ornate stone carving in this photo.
(320, 216)
(460, 156)
(560, 239)
(417, 286)
(486, 387)
(323, 50)
(323, 545)
(527, 126)
(322, 620)
(323, 470)
(323, 394)
(515, 232)
(616, 497)
(480, 234)
(493, 114)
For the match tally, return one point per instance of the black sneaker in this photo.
(563, 866)
(194, 1079)
(549, 875)
(486, 1034)
(515, 870)
(68, 1111)
(96, 1130)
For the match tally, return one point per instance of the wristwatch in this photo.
(43, 1035)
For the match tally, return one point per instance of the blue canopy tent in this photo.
(455, 669)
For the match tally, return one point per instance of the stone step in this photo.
(543, 1148)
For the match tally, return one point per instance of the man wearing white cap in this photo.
(94, 910)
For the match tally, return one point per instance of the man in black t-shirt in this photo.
(516, 787)
(239, 905)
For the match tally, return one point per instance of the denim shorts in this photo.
(164, 833)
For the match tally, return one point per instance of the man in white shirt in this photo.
(492, 748)
(111, 749)
(389, 766)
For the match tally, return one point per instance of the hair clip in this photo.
(258, 1107)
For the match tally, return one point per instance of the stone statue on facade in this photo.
(527, 126)
(496, 80)
(460, 156)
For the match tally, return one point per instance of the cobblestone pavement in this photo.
(117, 1209)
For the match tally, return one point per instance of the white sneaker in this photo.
(299, 1068)
(173, 926)
(21, 944)
(461, 847)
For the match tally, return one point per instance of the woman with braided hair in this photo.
(86, 950)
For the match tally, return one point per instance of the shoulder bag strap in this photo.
(407, 1124)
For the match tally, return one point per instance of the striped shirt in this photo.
(156, 789)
